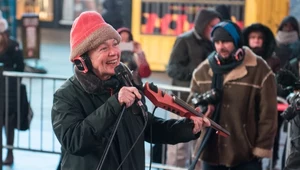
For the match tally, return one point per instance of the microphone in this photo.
(124, 75)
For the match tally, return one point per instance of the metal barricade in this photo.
(40, 89)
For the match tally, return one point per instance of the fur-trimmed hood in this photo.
(269, 40)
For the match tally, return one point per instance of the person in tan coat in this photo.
(247, 108)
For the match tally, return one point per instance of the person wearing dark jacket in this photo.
(189, 50)
(113, 13)
(224, 12)
(289, 28)
(86, 107)
(262, 42)
(288, 41)
(12, 58)
(292, 115)
(288, 51)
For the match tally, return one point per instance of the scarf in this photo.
(284, 37)
(220, 70)
(94, 85)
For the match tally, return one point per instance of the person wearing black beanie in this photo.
(247, 107)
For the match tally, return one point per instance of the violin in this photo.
(173, 104)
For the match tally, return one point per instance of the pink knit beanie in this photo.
(88, 31)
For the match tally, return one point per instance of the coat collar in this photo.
(240, 71)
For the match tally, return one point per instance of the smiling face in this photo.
(105, 58)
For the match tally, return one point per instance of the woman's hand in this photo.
(127, 96)
(202, 122)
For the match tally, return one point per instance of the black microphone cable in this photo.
(122, 73)
(135, 142)
(112, 137)
(151, 148)
(145, 115)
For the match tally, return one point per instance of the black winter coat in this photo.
(84, 112)
(269, 45)
(287, 52)
(12, 59)
(189, 50)
(293, 161)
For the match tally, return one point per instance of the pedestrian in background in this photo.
(12, 58)
(248, 105)
(260, 39)
(133, 55)
(189, 50)
(287, 39)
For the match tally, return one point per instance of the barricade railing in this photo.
(40, 89)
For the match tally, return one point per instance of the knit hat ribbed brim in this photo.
(88, 31)
(220, 34)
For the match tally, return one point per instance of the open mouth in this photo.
(112, 62)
